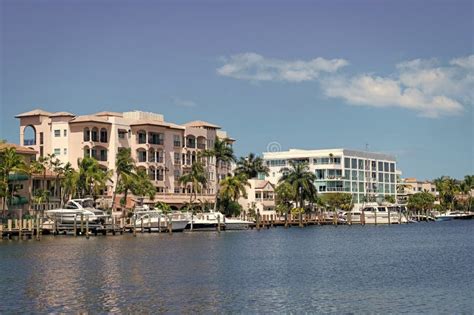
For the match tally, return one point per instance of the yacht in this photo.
(73, 210)
(377, 214)
(156, 220)
(207, 221)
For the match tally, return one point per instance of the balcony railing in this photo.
(29, 142)
(201, 146)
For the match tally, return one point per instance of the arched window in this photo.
(151, 155)
(95, 134)
(152, 173)
(87, 134)
(29, 135)
(103, 135)
(141, 155)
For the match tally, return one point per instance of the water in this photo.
(416, 268)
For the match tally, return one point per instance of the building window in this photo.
(65, 151)
(95, 134)
(121, 134)
(57, 133)
(177, 140)
(103, 135)
(87, 152)
(65, 132)
(177, 158)
(141, 137)
(361, 164)
(177, 174)
(380, 168)
(87, 134)
(155, 138)
(57, 151)
(354, 163)
(392, 167)
(347, 162)
(141, 156)
(103, 155)
(386, 166)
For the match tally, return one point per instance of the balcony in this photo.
(201, 146)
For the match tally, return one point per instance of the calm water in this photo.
(416, 268)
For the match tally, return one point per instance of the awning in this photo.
(17, 177)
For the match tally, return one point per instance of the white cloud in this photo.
(254, 67)
(464, 62)
(419, 85)
(183, 103)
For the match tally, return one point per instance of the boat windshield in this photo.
(381, 209)
(87, 203)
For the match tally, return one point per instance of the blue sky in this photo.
(397, 75)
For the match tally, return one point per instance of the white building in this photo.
(366, 175)
(260, 197)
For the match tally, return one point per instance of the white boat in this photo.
(207, 221)
(377, 214)
(454, 215)
(236, 224)
(74, 210)
(156, 220)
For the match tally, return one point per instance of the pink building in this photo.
(165, 150)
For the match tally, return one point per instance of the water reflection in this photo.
(321, 269)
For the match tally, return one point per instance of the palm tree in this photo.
(447, 188)
(285, 195)
(92, 178)
(69, 182)
(142, 185)
(302, 180)
(10, 162)
(233, 187)
(465, 187)
(124, 166)
(251, 166)
(223, 153)
(57, 167)
(196, 178)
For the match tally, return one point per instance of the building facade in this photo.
(260, 197)
(165, 150)
(410, 186)
(368, 176)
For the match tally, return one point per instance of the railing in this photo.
(29, 142)
(201, 146)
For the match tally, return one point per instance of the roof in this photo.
(34, 112)
(89, 118)
(201, 123)
(105, 113)
(18, 148)
(58, 114)
(260, 183)
(152, 122)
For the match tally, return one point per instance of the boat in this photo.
(156, 220)
(237, 224)
(454, 215)
(75, 210)
(377, 214)
(207, 221)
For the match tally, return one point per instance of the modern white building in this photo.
(366, 175)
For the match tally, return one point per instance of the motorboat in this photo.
(454, 215)
(377, 214)
(207, 221)
(156, 220)
(237, 224)
(75, 210)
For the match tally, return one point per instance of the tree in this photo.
(389, 199)
(92, 178)
(447, 188)
(466, 186)
(196, 179)
(124, 166)
(284, 196)
(251, 166)
(69, 182)
(57, 167)
(337, 200)
(10, 162)
(233, 187)
(421, 202)
(142, 186)
(223, 153)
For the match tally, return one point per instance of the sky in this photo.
(391, 76)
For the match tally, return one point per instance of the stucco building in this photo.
(165, 150)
